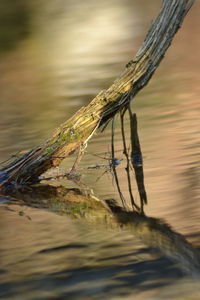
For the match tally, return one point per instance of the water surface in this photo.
(56, 62)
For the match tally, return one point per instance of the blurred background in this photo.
(56, 55)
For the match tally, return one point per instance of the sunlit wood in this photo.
(76, 132)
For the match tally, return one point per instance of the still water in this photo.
(55, 56)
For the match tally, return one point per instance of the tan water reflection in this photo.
(47, 256)
(75, 49)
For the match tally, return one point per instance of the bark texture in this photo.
(76, 131)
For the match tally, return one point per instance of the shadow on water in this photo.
(114, 268)
(59, 243)
(92, 269)
(147, 256)
(152, 258)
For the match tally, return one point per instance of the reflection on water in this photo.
(66, 54)
(55, 257)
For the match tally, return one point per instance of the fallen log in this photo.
(76, 132)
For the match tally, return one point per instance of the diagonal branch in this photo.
(76, 131)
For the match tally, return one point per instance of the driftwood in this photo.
(76, 131)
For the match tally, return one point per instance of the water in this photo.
(56, 62)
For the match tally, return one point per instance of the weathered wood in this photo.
(76, 131)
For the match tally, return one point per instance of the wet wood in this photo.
(76, 132)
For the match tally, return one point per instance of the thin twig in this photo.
(114, 166)
(78, 159)
(11, 157)
(81, 127)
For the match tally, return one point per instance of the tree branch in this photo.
(76, 131)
